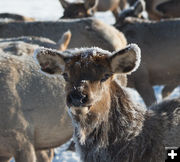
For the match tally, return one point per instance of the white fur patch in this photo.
(86, 51)
(137, 50)
(133, 49)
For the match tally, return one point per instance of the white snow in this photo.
(52, 10)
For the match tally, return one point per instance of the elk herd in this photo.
(69, 77)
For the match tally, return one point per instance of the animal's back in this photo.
(159, 45)
(169, 111)
(86, 32)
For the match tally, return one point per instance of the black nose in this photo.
(76, 98)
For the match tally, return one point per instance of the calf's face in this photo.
(88, 72)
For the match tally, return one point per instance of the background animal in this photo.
(87, 8)
(108, 125)
(14, 44)
(86, 32)
(160, 53)
(33, 112)
(159, 9)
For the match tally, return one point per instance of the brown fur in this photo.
(108, 125)
(160, 9)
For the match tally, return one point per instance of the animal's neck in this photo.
(95, 120)
(124, 115)
(124, 128)
(119, 114)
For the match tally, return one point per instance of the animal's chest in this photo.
(105, 155)
(122, 153)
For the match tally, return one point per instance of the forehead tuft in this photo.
(87, 56)
(88, 52)
(86, 63)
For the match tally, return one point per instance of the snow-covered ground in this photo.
(52, 10)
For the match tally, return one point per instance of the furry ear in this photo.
(51, 61)
(139, 7)
(126, 60)
(63, 43)
(64, 3)
(133, 11)
(90, 6)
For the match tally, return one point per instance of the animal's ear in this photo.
(63, 43)
(126, 60)
(90, 6)
(64, 3)
(133, 11)
(138, 8)
(51, 61)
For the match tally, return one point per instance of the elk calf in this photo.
(108, 125)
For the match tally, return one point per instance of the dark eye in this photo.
(65, 75)
(106, 76)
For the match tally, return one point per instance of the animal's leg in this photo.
(116, 13)
(142, 84)
(45, 155)
(5, 159)
(71, 146)
(122, 4)
(147, 93)
(167, 90)
(26, 153)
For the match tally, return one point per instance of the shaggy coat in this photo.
(108, 125)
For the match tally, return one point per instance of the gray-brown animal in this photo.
(87, 8)
(14, 45)
(32, 106)
(135, 10)
(160, 9)
(158, 41)
(86, 32)
(108, 125)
